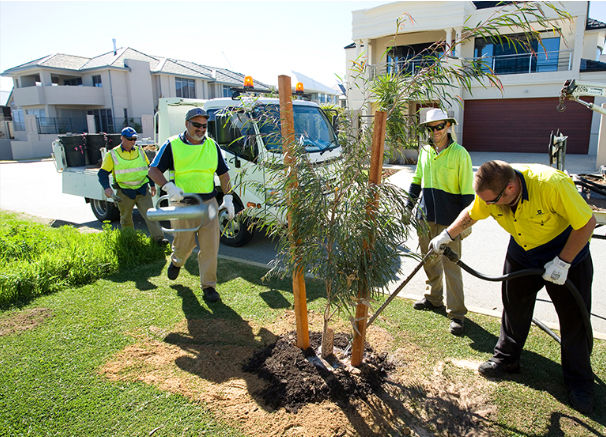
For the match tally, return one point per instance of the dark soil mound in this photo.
(294, 380)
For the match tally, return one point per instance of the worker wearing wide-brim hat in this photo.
(443, 180)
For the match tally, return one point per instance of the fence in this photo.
(63, 125)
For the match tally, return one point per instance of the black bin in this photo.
(113, 140)
(94, 143)
(75, 149)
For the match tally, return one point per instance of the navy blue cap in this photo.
(128, 132)
(195, 112)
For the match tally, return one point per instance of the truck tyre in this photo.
(236, 232)
(104, 211)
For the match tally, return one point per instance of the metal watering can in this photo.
(199, 211)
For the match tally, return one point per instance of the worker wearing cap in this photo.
(128, 164)
(550, 226)
(195, 159)
(443, 176)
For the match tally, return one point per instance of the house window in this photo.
(103, 120)
(186, 88)
(409, 59)
(226, 91)
(73, 82)
(512, 58)
(97, 81)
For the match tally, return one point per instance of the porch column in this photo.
(90, 124)
(448, 42)
(577, 52)
(601, 155)
(457, 48)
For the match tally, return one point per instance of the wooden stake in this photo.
(375, 173)
(288, 138)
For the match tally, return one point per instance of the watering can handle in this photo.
(185, 195)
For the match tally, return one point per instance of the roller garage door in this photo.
(524, 125)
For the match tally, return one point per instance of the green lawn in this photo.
(51, 383)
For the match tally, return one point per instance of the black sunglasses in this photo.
(131, 139)
(198, 125)
(490, 202)
(437, 127)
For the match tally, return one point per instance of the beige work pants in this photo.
(439, 270)
(143, 202)
(208, 241)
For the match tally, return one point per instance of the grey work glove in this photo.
(556, 271)
(439, 243)
(175, 193)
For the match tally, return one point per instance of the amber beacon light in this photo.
(299, 88)
(248, 82)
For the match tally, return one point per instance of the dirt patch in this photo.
(24, 320)
(282, 394)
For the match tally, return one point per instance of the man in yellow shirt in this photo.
(550, 226)
(128, 165)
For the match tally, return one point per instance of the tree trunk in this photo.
(328, 339)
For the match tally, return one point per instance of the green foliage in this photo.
(36, 259)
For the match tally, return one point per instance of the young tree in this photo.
(329, 206)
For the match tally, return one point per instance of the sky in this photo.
(259, 38)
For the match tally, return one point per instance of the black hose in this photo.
(591, 186)
(454, 257)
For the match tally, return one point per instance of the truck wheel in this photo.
(104, 211)
(234, 233)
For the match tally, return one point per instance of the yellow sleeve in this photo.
(478, 210)
(108, 163)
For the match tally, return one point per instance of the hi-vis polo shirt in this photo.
(549, 209)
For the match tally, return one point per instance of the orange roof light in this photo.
(248, 82)
(299, 88)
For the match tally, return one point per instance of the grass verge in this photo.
(36, 259)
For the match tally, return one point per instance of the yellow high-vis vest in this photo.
(195, 165)
(129, 173)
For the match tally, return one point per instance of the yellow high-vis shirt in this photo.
(550, 203)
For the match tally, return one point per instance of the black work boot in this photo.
(173, 271)
(495, 369)
(210, 294)
(581, 400)
(424, 304)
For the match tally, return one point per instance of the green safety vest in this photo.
(195, 165)
(129, 173)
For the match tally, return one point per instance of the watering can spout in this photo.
(198, 211)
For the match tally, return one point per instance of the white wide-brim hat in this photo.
(437, 115)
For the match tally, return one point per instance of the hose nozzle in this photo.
(451, 254)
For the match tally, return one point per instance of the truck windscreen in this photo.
(312, 129)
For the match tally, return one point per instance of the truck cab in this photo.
(248, 131)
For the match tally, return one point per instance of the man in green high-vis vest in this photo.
(194, 158)
(128, 165)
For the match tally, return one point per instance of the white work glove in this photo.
(228, 203)
(556, 271)
(438, 243)
(175, 193)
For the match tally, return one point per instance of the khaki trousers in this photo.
(143, 202)
(439, 268)
(208, 241)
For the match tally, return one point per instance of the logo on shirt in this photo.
(540, 212)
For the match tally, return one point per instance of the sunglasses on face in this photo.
(198, 125)
(491, 202)
(131, 139)
(437, 127)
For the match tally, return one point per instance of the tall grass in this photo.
(36, 259)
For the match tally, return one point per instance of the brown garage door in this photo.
(524, 125)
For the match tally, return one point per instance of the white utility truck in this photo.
(247, 145)
(248, 140)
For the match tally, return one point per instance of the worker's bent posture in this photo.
(550, 226)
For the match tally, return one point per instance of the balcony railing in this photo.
(62, 125)
(405, 66)
(520, 63)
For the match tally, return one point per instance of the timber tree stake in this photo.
(375, 173)
(288, 138)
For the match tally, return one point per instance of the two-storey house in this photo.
(520, 118)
